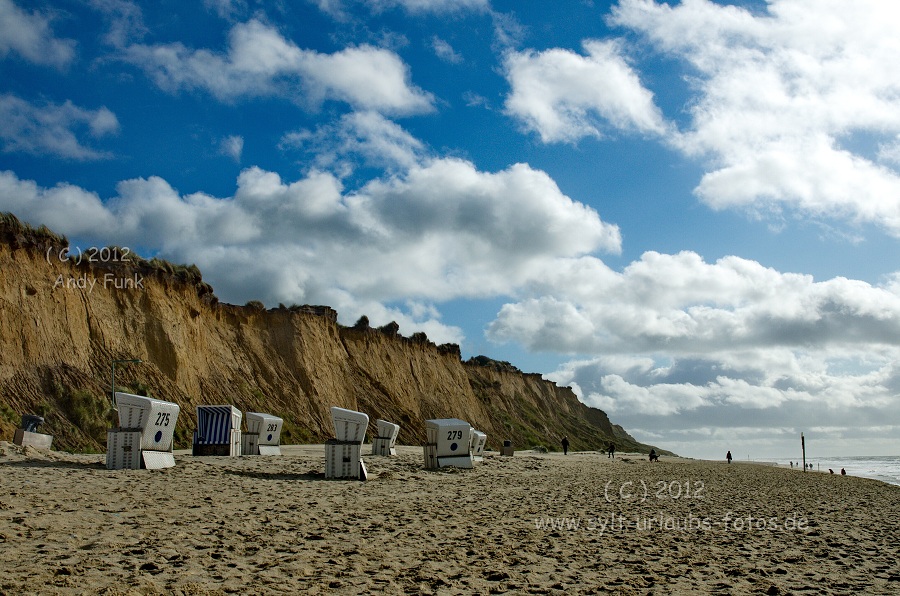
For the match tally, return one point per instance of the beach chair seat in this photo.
(218, 431)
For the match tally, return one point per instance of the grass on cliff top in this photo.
(12, 225)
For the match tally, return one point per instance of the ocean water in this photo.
(879, 467)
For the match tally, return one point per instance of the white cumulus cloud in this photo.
(564, 96)
(262, 62)
(681, 304)
(718, 343)
(778, 98)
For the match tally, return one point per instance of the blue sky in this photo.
(687, 212)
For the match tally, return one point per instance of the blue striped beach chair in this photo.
(218, 431)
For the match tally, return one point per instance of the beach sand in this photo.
(529, 524)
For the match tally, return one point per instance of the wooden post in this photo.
(803, 447)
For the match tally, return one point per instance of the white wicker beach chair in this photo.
(343, 457)
(145, 435)
(449, 443)
(384, 443)
(263, 436)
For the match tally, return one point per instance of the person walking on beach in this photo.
(728, 456)
(611, 451)
(565, 444)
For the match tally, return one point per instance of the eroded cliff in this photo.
(64, 319)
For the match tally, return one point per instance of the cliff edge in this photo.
(65, 317)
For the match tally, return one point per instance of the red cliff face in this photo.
(62, 323)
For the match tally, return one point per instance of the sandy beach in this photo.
(530, 524)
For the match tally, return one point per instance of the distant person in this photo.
(830, 471)
(611, 451)
(653, 455)
(565, 444)
(843, 472)
(728, 456)
(792, 465)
